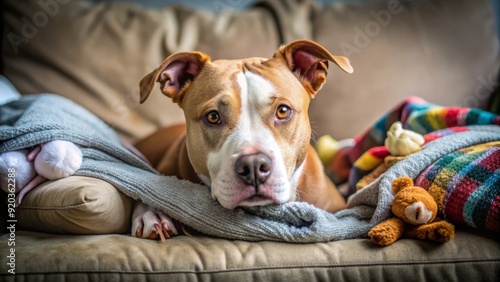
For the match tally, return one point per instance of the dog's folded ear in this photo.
(174, 74)
(310, 61)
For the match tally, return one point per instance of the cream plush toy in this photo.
(402, 142)
(50, 161)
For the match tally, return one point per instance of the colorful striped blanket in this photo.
(469, 182)
(468, 179)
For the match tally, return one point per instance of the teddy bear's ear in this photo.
(400, 183)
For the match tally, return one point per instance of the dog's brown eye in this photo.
(283, 112)
(213, 117)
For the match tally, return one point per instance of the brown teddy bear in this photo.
(415, 213)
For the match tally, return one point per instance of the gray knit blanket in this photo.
(33, 120)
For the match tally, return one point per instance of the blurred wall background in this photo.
(218, 5)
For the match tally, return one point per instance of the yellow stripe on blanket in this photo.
(367, 162)
(435, 118)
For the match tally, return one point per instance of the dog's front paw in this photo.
(150, 223)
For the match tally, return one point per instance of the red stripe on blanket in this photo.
(455, 202)
(492, 215)
(492, 162)
(451, 117)
(379, 152)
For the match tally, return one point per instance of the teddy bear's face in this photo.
(414, 205)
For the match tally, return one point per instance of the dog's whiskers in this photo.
(292, 170)
(300, 192)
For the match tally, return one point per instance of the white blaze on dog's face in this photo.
(247, 125)
(255, 119)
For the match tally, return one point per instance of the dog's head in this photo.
(248, 129)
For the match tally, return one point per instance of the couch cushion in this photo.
(39, 256)
(75, 205)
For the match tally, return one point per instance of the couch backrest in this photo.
(444, 51)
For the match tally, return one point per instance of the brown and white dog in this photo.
(247, 130)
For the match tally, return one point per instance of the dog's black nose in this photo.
(253, 169)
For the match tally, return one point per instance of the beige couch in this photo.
(444, 51)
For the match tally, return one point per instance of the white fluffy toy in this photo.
(402, 142)
(50, 161)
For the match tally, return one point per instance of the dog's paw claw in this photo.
(138, 228)
(151, 224)
(159, 232)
